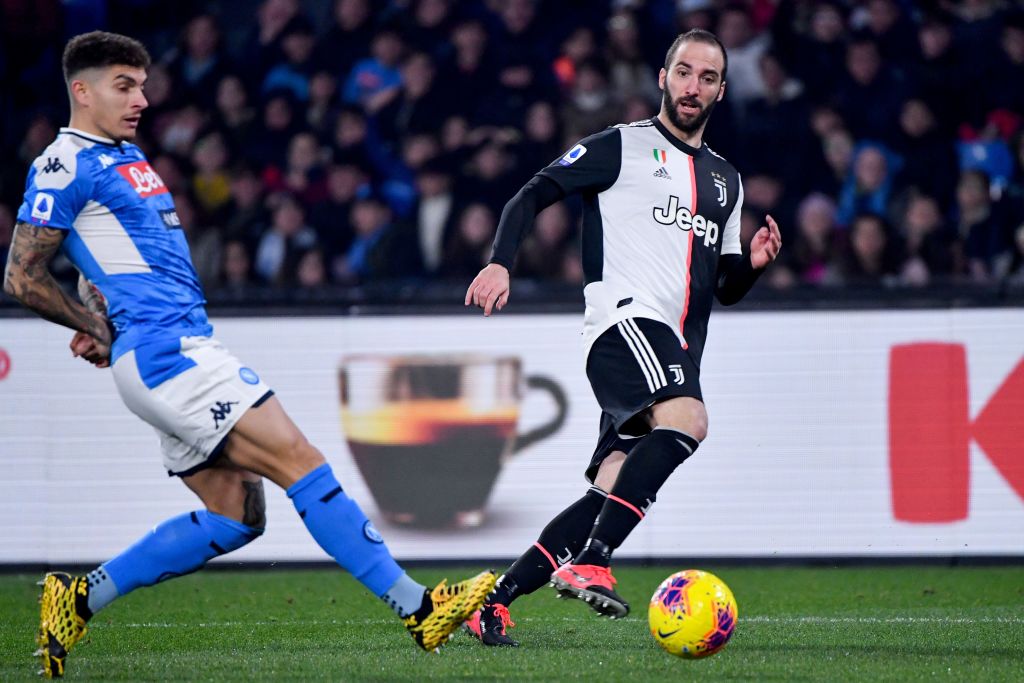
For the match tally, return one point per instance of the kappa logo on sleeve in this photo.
(42, 207)
(143, 178)
(573, 155)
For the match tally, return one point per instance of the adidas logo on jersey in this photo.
(680, 216)
(662, 173)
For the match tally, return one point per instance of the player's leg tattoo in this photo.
(645, 470)
(254, 507)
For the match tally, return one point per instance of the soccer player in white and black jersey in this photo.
(661, 229)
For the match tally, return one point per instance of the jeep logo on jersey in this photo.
(680, 216)
(143, 178)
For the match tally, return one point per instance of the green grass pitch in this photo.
(796, 624)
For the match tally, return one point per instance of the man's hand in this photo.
(765, 245)
(86, 346)
(489, 289)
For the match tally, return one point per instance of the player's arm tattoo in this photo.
(27, 278)
(255, 507)
(91, 296)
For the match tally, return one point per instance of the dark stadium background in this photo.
(358, 152)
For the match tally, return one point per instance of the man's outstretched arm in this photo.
(490, 288)
(28, 279)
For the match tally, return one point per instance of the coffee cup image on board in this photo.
(430, 433)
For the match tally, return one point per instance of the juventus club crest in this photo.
(723, 194)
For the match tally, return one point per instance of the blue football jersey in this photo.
(123, 235)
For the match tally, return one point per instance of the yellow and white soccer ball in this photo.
(692, 614)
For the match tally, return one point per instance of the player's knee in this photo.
(682, 414)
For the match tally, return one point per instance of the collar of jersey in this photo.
(676, 142)
(88, 136)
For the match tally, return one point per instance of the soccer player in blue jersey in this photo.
(93, 195)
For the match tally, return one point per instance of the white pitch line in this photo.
(743, 620)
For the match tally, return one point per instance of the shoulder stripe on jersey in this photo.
(639, 359)
(715, 153)
(645, 123)
(630, 323)
(108, 242)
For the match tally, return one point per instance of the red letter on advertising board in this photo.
(929, 432)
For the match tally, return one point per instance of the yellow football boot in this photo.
(452, 605)
(61, 620)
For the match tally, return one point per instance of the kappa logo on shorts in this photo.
(248, 376)
(220, 411)
(677, 373)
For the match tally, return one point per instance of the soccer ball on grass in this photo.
(692, 614)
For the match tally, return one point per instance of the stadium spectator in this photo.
(270, 144)
(936, 73)
(811, 46)
(868, 80)
(888, 25)
(233, 113)
(419, 105)
(330, 216)
(929, 158)
(310, 272)
(302, 175)
(211, 182)
(812, 258)
(592, 104)
(470, 246)
(293, 73)
(868, 189)
(435, 213)
(578, 47)
(247, 212)
(263, 47)
(542, 255)
(236, 266)
(348, 39)
(744, 48)
(322, 105)
(629, 73)
(981, 225)
(871, 255)
(204, 240)
(931, 247)
(198, 64)
(288, 236)
(375, 78)
(471, 66)
(375, 252)
(429, 25)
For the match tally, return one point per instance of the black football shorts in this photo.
(633, 365)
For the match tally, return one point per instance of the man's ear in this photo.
(81, 92)
(721, 92)
(661, 78)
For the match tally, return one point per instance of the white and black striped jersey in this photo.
(657, 215)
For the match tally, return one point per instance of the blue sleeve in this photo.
(57, 189)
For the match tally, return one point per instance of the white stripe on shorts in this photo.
(650, 350)
(640, 359)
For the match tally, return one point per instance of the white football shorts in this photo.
(192, 391)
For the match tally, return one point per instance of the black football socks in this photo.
(560, 541)
(645, 470)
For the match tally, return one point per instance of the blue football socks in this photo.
(178, 546)
(343, 531)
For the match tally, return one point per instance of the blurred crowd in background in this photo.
(317, 143)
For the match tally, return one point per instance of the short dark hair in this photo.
(697, 35)
(99, 49)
